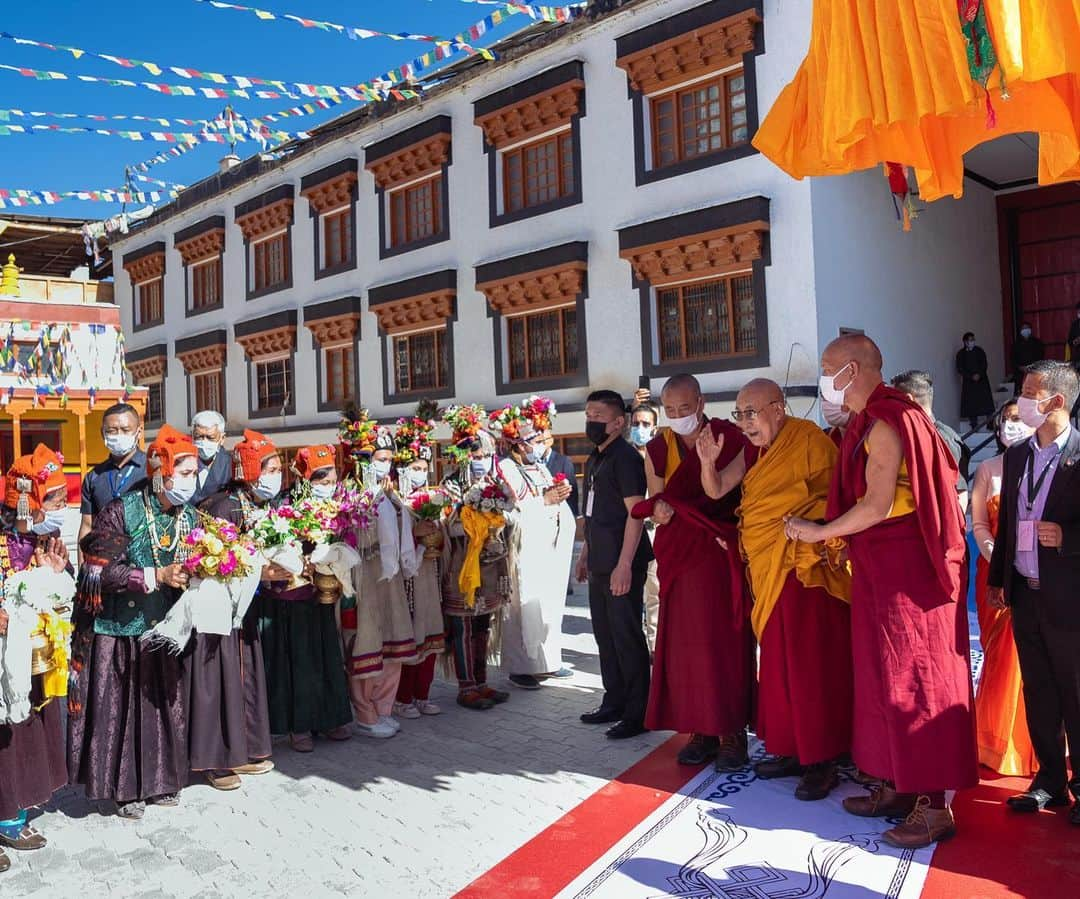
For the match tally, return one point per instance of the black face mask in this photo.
(596, 431)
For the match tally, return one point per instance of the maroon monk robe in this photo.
(913, 720)
(703, 672)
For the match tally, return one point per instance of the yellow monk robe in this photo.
(890, 81)
(801, 612)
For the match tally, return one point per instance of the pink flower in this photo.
(228, 564)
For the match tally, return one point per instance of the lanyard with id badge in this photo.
(1025, 529)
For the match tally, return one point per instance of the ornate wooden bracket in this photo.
(532, 116)
(535, 290)
(412, 162)
(712, 253)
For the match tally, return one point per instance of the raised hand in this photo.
(52, 553)
(709, 447)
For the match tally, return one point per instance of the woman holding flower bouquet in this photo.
(127, 708)
(31, 733)
(306, 685)
(413, 457)
(229, 724)
(476, 577)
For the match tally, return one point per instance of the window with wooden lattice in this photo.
(415, 212)
(208, 390)
(149, 303)
(420, 361)
(155, 400)
(338, 377)
(206, 286)
(270, 262)
(703, 118)
(538, 173)
(543, 344)
(337, 242)
(273, 384)
(707, 319)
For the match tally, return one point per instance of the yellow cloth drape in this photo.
(58, 633)
(674, 456)
(792, 478)
(888, 80)
(476, 524)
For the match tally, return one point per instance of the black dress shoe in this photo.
(525, 681)
(624, 730)
(601, 716)
(817, 783)
(1035, 800)
(779, 766)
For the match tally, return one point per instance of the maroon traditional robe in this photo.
(913, 721)
(703, 672)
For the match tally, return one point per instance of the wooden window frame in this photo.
(564, 157)
(442, 361)
(290, 384)
(729, 298)
(142, 320)
(219, 404)
(258, 247)
(198, 280)
(345, 241)
(563, 372)
(723, 81)
(149, 384)
(339, 390)
(400, 197)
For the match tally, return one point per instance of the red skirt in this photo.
(805, 683)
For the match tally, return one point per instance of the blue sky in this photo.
(193, 35)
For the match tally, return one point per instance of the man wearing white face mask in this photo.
(215, 465)
(123, 472)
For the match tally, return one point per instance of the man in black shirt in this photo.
(124, 470)
(615, 560)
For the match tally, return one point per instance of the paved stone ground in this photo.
(418, 815)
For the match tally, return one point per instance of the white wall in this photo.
(915, 294)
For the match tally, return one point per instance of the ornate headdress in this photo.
(31, 478)
(162, 454)
(511, 424)
(249, 455)
(384, 439)
(540, 410)
(467, 431)
(311, 459)
(413, 435)
(356, 432)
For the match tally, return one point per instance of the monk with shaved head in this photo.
(893, 500)
(801, 591)
(703, 671)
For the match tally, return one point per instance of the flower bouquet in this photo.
(357, 510)
(410, 437)
(224, 567)
(321, 522)
(277, 540)
(432, 504)
(482, 514)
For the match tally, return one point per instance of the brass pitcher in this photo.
(327, 588)
(41, 653)
(433, 544)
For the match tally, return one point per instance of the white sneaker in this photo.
(406, 711)
(379, 730)
(390, 722)
(424, 707)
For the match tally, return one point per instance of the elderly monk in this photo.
(894, 500)
(801, 615)
(703, 672)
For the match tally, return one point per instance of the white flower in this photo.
(281, 526)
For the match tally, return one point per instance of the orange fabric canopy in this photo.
(889, 80)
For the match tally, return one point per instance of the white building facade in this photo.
(585, 213)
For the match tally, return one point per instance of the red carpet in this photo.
(997, 854)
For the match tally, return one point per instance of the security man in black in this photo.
(615, 561)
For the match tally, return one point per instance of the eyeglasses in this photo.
(751, 414)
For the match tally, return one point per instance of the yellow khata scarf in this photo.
(674, 457)
(58, 632)
(792, 478)
(476, 524)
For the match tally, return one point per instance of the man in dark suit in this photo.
(557, 463)
(1035, 568)
(215, 464)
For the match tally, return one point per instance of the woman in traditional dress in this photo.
(540, 549)
(378, 629)
(469, 622)
(229, 726)
(413, 456)
(127, 706)
(1001, 722)
(32, 764)
(306, 685)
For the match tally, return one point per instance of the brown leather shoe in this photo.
(883, 802)
(27, 840)
(263, 766)
(922, 827)
(731, 754)
(778, 766)
(698, 750)
(474, 699)
(5, 862)
(223, 780)
(301, 742)
(817, 782)
(339, 734)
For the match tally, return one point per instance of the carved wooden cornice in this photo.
(415, 313)
(268, 343)
(536, 290)
(707, 49)
(207, 358)
(533, 115)
(149, 369)
(202, 246)
(712, 253)
(339, 329)
(146, 268)
(414, 161)
(266, 219)
(332, 194)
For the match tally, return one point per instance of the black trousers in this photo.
(624, 654)
(1050, 667)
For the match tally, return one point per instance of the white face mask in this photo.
(830, 393)
(207, 448)
(182, 490)
(1029, 411)
(684, 426)
(415, 478)
(323, 491)
(268, 486)
(1025, 332)
(1013, 432)
(119, 445)
(480, 468)
(53, 521)
(381, 469)
(641, 434)
(834, 414)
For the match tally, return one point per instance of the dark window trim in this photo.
(281, 319)
(249, 260)
(316, 234)
(574, 70)
(322, 405)
(328, 173)
(281, 192)
(189, 310)
(157, 422)
(699, 221)
(217, 337)
(393, 398)
(154, 351)
(411, 287)
(290, 407)
(443, 234)
(150, 249)
(440, 124)
(758, 359)
(190, 379)
(315, 312)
